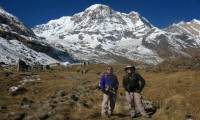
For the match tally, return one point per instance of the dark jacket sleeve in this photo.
(124, 82)
(117, 83)
(141, 80)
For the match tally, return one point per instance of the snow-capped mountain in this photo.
(97, 33)
(101, 34)
(19, 42)
(191, 29)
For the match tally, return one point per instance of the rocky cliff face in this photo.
(12, 27)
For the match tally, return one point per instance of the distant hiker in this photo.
(133, 84)
(109, 85)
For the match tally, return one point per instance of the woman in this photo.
(109, 85)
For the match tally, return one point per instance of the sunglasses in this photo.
(109, 69)
(129, 69)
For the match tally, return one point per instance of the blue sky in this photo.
(161, 13)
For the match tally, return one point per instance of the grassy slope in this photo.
(177, 93)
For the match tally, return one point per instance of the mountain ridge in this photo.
(101, 27)
(17, 41)
(102, 35)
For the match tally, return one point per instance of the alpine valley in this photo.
(99, 35)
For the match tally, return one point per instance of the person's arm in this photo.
(142, 81)
(102, 83)
(124, 82)
(117, 83)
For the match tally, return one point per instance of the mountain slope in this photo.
(18, 41)
(189, 28)
(11, 51)
(12, 25)
(95, 33)
(99, 33)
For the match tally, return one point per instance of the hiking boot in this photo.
(110, 113)
(103, 115)
(146, 116)
(133, 116)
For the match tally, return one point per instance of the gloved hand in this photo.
(138, 91)
(104, 91)
(106, 88)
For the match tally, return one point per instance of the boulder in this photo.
(22, 66)
(19, 91)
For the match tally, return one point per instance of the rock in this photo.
(85, 71)
(60, 94)
(22, 66)
(84, 103)
(69, 103)
(16, 116)
(2, 63)
(79, 70)
(189, 117)
(46, 67)
(19, 91)
(25, 102)
(52, 112)
(74, 98)
(44, 117)
(150, 105)
(2, 109)
(50, 104)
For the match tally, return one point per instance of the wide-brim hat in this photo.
(128, 67)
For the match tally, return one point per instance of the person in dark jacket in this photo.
(133, 84)
(109, 85)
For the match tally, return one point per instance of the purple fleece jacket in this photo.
(109, 80)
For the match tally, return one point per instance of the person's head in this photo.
(109, 70)
(129, 69)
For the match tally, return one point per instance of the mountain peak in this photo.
(133, 12)
(183, 22)
(1, 8)
(97, 7)
(2, 11)
(103, 34)
(195, 21)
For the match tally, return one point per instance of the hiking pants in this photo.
(108, 103)
(134, 96)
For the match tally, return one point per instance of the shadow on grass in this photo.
(150, 112)
(120, 115)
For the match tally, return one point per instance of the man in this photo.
(133, 84)
(109, 85)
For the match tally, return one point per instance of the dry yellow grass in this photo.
(177, 93)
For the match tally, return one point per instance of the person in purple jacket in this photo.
(109, 85)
